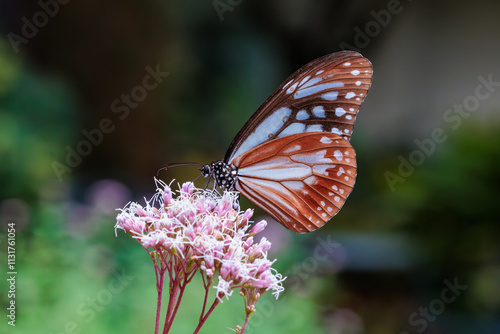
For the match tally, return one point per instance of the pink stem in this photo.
(178, 299)
(174, 312)
(245, 324)
(171, 301)
(159, 287)
(204, 318)
(204, 302)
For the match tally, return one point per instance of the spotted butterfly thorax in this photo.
(293, 157)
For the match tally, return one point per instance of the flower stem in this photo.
(206, 284)
(245, 323)
(171, 302)
(204, 318)
(159, 287)
(174, 310)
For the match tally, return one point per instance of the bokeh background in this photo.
(423, 215)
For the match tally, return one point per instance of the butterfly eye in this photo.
(206, 171)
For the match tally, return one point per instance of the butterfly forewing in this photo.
(322, 96)
(301, 180)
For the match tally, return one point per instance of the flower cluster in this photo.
(201, 230)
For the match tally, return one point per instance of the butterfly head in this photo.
(206, 170)
(224, 174)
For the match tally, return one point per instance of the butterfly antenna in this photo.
(159, 170)
(178, 164)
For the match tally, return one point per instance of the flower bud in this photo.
(248, 243)
(167, 196)
(257, 228)
(187, 188)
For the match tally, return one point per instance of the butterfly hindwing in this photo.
(302, 180)
(322, 96)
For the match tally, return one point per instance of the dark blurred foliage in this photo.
(395, 249)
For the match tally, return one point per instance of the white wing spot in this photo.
(349, 172)
(323, 203)
(347, 160)
(292, 129)
(351, 109)
(336, 131)
(294, 148)
(345, 138)
(337, 199)
(346, 130)
(334, 187)
(330, 193)
(339, 112)
(355, 72)
(350, 95)
(304, 80)
(338, 155)
(289, 82)
(314, 128)
(303, 92)
(319, 111)
(348, 117)
(311, 82)
(347, 64)
(358, 83)
(319, 208)
(323, 214)
(346, 178)
(325, 140)
(341, 171)
(331, 96)
(358, 99)
(302, 115)
(341, 190)
(292, 88)
(329, 209)
(346, 152)
(319, 72)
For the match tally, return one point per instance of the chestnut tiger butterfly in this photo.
(293, 158)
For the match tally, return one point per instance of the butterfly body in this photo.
(293, 157)
(223, 174)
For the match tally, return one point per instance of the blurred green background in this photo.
(422, 217)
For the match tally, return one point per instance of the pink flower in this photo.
(200, 230)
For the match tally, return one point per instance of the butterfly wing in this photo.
(322, 96)
(301, 180)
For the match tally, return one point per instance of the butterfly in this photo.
(293, 158)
